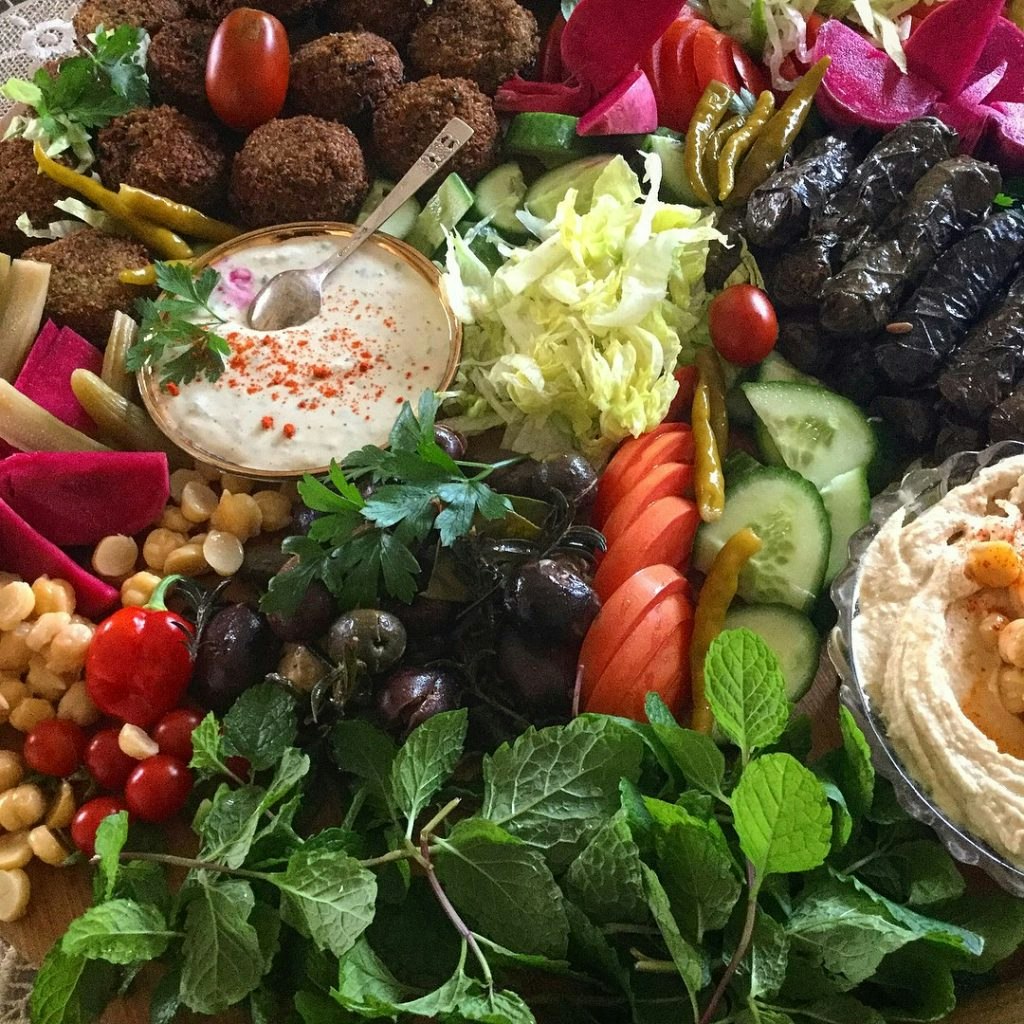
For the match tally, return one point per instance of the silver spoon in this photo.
(294, 296)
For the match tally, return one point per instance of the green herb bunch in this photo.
(365, 548)
(598, 872)
(89, 90)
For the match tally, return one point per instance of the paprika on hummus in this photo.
(938, 643)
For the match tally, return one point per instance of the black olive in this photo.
(551, 597)
(302, 519)
(237, 649)
(412, 695)
(540, 676)
(571, 474)
(427, 616)
(450, 441)
(310, 619)
(524, 478)
(263, 556)
(377, 638)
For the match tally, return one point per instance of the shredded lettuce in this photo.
(82, 217)
(573, 342)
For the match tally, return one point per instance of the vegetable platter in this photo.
(445, 657)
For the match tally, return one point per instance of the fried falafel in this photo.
(24, 190)
(177, 65)
(394, 20)
(289, 11)
(151, 15)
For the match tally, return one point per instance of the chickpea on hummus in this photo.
(939, 649)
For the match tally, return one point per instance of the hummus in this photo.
(930, 651)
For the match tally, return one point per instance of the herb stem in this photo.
(620, 928)
(428, 829)
(358, 800)
(656, 967)
(387, 858)
(190, 863)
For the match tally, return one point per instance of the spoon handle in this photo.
(448, 142)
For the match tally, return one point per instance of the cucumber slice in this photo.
(401, 222)
(737, 464)
(671, 147)
(498, 195)
(791, 637)
(774, 368)
(767, 447)
(544, 195)
(818, 433)
(448, 205)
(847, 500)
(787, 513)
(550, 138)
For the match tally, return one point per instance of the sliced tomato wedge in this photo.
(677, 91)
(712, 59)
(620, 614)
(815, 21)
(662, 482)
(662, 534)
(753, 77)
(550, 67)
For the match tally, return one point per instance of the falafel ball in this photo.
(298, 168)
(394, 20)
(167, 152)
(151, 15)
(24, 190)
(487, 41)
(407, 121)
(177, 65)
(344, 76)
(84, 287)
(289, 11)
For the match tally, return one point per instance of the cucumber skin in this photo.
(507, 223)
(758, 619)
(544, 195)
(450, 203)
(550, 138)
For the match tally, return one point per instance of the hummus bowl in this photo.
(919, 710)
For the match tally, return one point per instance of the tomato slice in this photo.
(682, 405)
(712, 59)
(620, 614)
(550, 67)
(662, 534)
(677, 91)
(654, 657)
(662, 482)
(753, 77)
(815, 21)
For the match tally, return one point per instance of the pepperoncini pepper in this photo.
(176, 216)
(710, 112)
(737, 145)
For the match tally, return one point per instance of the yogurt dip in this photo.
(291, 400)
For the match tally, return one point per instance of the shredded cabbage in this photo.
(84, 216)
(573, 342)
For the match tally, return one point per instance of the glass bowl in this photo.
(919, 489)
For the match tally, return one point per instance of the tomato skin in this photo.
(549, 66)
(677, 92)
(158, 788)
(743, 324)
(753, 76)
(87, 820)
(106, 762)
(713, 60)
(663, 481)
(247, 69)
(173, 733)
(682, 405)
(54, 747)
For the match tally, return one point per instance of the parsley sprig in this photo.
(364, 548)
(174, 331)
(89, 90)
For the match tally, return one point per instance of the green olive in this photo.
(377, 638)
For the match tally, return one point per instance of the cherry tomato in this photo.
(54, 747)
(247, 69)
(108, 764)
(712, 59)
(158, 788)
(173, 733)
(743, 324)
(87, 820)
(662, 482)
(682, 405)
(240, 766)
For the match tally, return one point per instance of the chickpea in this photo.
(17, 602)
(136, 743)
(15, 652)
(12, 691)
(53, 596)
(188, 560)
(238, 514)
(158, 545)
(116, 555)
(46, 845)
(76, 706)
(11, 770)
(44, 683)
(15, 851)
(991, 625)
(181, 477)
(30, 712)
(45, 628)
(22, 807)
(15, 891)
(173, 520)
(198, 501)
(275, 508)
(236, 484)
(62, 810)
(992, 563)
(1011, 689)
(69, 648)
(138, 589)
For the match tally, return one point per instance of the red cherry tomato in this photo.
(158, 788)
(743, 324)
(247, 69)
(173, 733)
(108, 764)
(54, 747)
(87, 820)
(240, 766)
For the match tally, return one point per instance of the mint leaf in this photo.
(928, 872)
(71, 989)
(328, 897)
(120, 931)
(746, 689)
(292, 768)
(166, 999)
(316, 1008)
(366, 986)
(229, 827)
(110, 839)
(504, 888)
(842, 820)
(144, 882)
(781, 816)
(207, 754)
(553, 788)
(605, 879)
(361, 750)
(851, 766)
(261, 724)
(769, 956)
(912, 986)
(999, 922)
(839, 1009)
(425, 761)
(267, 922)
(479, 1004)
(221, 958)
(697, 756)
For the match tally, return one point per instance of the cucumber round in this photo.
(671, 148)
(791, 637)
(498, 195)
(401, 222)
(848, 503)
(550, 138)
(445, 208)
(787, 513)
(544, 195)
(817, 433)
(775, 368)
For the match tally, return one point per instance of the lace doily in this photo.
(32, 31)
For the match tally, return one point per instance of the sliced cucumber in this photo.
(787, 513)
(737, 464)
(818, 433)
(791, 637)
(544, 195)
(766, 446)
(774, 368)
(847, 500)
(671, 147)
(550, 138)
(445, 208)
(401, 222)
(498, 195)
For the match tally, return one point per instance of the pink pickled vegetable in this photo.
(519, 95)
(29, 554)
(1007, 134)
(1005, 45)
(630, 108)
(81, 497)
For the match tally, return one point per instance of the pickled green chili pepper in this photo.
(710, 370)
(715, 148)
(739, 142)
(778, 134)
(711, 110)
(708, 483)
